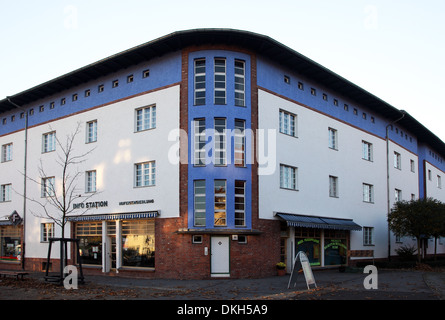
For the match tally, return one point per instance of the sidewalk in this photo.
(331, 284)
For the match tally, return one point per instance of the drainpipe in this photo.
(388, 192)
(24, 178)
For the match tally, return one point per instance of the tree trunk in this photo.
(419, 254)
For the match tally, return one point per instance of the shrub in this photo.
(406, 253)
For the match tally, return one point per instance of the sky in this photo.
(392, 49)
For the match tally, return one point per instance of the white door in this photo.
(220, 266)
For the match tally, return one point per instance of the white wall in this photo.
(113, 156)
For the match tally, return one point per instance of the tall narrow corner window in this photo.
(439, 182)
(333, 187)
(91, 135)
(6, 152)
(220, 81)
(220, 142)
(333, 138)
(240, 84)
(145, 118)
(397, 161)
(48, 187)
(5, 192)
(145, 174)
(288, 123)
(46, 231)
(367, 150)
(199, 187)
(240, 203)
(200, 82)
(288, 177)
(240, 143)
(368, 236)
(90, 181)
(220, 193)
(368, 193)
(48, 142)
(199, 142)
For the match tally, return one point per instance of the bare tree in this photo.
(57, 203)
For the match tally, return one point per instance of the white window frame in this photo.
(220, 143)
(240, 143)
(49, 142)
(145, 118)
(333, 187)
(7, 152)
(367, 151)
(368, 193)
(240, 83)
(397, 195)
(219, 85)
(333, 138)
(90, 181)
(368, 236)
(200, 82)
(48, 187)
(199, 143)
(199, 192)
(413, 165)
(397, 160)
(5, 192)
(46, 231)
(91, 132)
(145, 174)
(439, 181)
(220, 198)
(288, 177)
(288, 123)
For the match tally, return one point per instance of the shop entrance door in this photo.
(220, 260)
(113, 252)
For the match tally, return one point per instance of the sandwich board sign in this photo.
(302, 260)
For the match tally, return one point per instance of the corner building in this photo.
(211, 153)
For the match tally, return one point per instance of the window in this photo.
(145, 73)
(366, 151)
(199, 142)
(41, 109)
(130, 78)
(325, 97)
(145, 174)
(368, 193)
(100, 88)
(91, 131)
(90, 181)
(62, 102)
(74, 97)
(336, 102)
(220, 81)
(220, 202)
(115, 84)
(7, 152)
(196, 238)
(288, 177)
(397, 161)
(87, 93)
(429, 175)
(333, 137)
(46, 231)
(199, 202)
(145, 118)
(240, 83)
(439, 182)
(286, 79)
(313, 92)
(240, 143)
(10, 243)
(220, 142)
(345, 107)
(48, 187)
(49, 142)
(288, 122)
(200, 82)
(397, 195)
(412, 165)
(138, 243)
(90, 244)
(240, 203)
(300, 85)
(5, 192)
(368, 236)
(333, 187)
